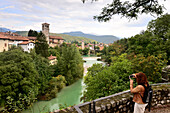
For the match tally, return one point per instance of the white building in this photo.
(27, 46)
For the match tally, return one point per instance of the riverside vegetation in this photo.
(28, 77)
(147, 52)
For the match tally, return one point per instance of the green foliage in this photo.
(55, 84)
(147, 52)
(103, 81)
(41, 46)
(53, 52)
(99, 54)
(128, 9)
(24, 101)
(70, 64)
(18, 76)
(43, 68)
(15, 47)
(62, 106)
(151, 66)
(32, 33)
(85, 51)
(111, 51)
(160, 26)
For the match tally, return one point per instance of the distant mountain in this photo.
(69, 38)
(66, 37)
(2, 29)
(100, 38)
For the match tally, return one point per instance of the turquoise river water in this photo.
(68, 96)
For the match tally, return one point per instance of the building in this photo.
(27, 46)
(8, 39)
(52, 59)
(82, 44)
(55, 40)
(51, 40)
(3, 43)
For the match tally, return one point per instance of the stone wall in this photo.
(120, 102)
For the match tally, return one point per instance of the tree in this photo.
(103, 81)
(44, 70)
(70, 64)
(32, 33)
(151, 66)
(19, 80)
(41, 46)
(85, 51)
(160, 26)
(129, 10)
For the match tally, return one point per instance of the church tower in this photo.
(82, 45)
(46, 31)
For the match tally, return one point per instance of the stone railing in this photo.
(121, 102)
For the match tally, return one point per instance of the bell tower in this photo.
(82, 45)
(45, 31)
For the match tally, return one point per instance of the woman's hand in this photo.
(131, 81)
(131, 84)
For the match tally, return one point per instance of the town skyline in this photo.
(67, 16)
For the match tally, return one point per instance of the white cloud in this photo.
(7, 7)
(70, 15)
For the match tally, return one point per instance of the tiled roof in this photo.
(52, 57)
(32, 38)
(56, 37)
(45, 23)
(18, 38)
(12, 36)
(3, 37)
(25, 43)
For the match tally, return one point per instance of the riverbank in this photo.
(68, 96)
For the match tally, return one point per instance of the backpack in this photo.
(147, 97)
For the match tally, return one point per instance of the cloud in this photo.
(69, 15)
(7, 7)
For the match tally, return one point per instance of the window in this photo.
(5, 44)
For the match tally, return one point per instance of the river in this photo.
(68, 96)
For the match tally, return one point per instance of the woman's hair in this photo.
(141, 78)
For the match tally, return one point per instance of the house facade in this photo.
(3, 43)
(8, 39)
(27, 46)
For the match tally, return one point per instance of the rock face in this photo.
(122, 102)
(166, 73)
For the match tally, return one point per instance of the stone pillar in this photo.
(45, 31)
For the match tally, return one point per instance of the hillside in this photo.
(100, 38)
(70, 38)
(22, 33)
(2, 29)
(66, 37)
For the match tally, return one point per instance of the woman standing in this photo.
(138, 91)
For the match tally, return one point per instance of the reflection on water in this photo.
(68, 96)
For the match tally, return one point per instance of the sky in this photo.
(69, 15)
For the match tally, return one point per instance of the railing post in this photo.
(94, 111)
(89, 107)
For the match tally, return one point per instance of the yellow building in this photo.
(3, 43)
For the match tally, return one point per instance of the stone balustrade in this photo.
(120, 102)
